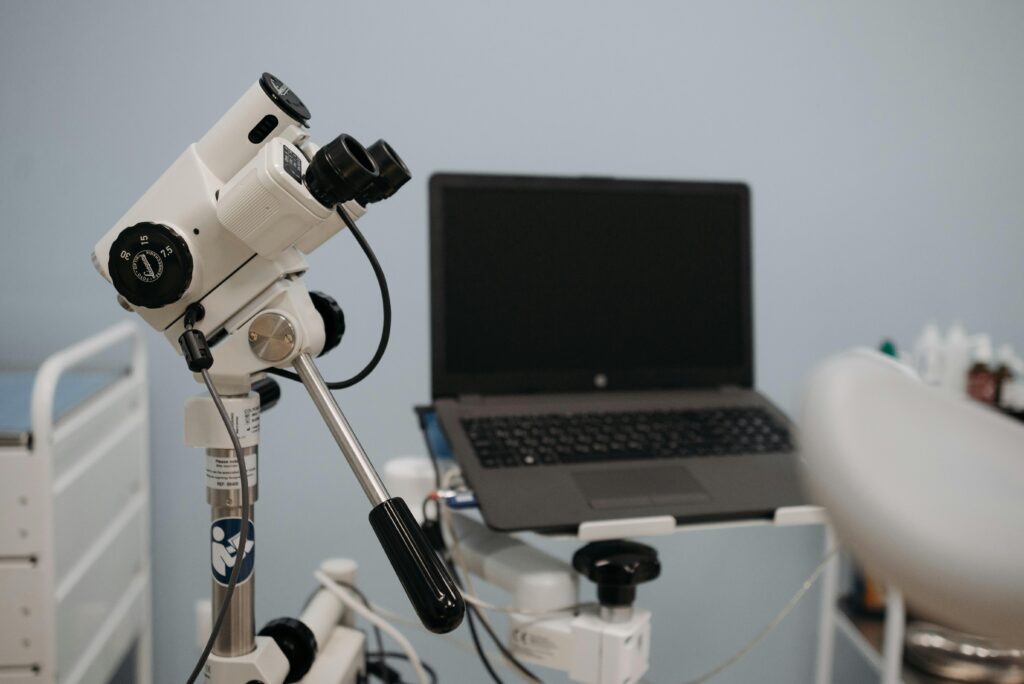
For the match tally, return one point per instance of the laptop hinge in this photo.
(470, 398)
(730, 388)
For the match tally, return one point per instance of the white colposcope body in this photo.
(228, 225)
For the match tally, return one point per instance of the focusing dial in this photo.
(333, 317)
(617, 567)
(150, 265)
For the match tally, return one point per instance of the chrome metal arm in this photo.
(342, 431)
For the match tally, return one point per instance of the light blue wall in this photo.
(882, 140)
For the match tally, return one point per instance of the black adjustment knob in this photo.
(617, 567)
(296, 641)
(269, 392)
(150, 265)
(333, 317)
(393, 174)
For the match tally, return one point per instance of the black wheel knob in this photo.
(269, 392)
(617, 567)
(296, 641)
(333, 317)
(150, 265)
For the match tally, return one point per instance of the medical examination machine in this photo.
(212, 256)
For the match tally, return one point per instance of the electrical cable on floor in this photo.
(786, 610)
(385, 297)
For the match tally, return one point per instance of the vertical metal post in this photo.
(237, 635)
(826, 619)
(895, 627)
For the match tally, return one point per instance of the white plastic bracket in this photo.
(655, 526)
(266, 664)
(791, 516)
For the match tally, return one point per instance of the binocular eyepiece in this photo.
(343, 170)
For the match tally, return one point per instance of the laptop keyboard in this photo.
(516, 441)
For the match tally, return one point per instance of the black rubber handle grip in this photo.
(426, 581)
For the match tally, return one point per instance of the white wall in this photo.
(882, 140)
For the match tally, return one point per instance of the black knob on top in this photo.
(333, 317)
(617, 567)
(284, 97)
(426, 581)
(150, 265)
(393, 174)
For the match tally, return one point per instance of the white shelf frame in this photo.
(78, 618)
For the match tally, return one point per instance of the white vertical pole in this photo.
(826, 619)
(144, 651)
(895, 626)
(144, 645)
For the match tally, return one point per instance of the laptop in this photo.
(592, 351)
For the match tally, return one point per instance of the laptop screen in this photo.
(558, 285)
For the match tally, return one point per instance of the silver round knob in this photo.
(271, 337)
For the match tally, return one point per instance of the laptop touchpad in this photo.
(633, 488)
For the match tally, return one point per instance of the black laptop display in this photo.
(547, 284)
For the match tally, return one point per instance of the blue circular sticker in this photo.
(225, 534)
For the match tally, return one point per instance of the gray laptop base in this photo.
(559, 498)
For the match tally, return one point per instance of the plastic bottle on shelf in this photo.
(956, 359)
(981, 377)
(928, 353)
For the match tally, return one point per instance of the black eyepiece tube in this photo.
(393, 174)
(426, 581)
(341, 170)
